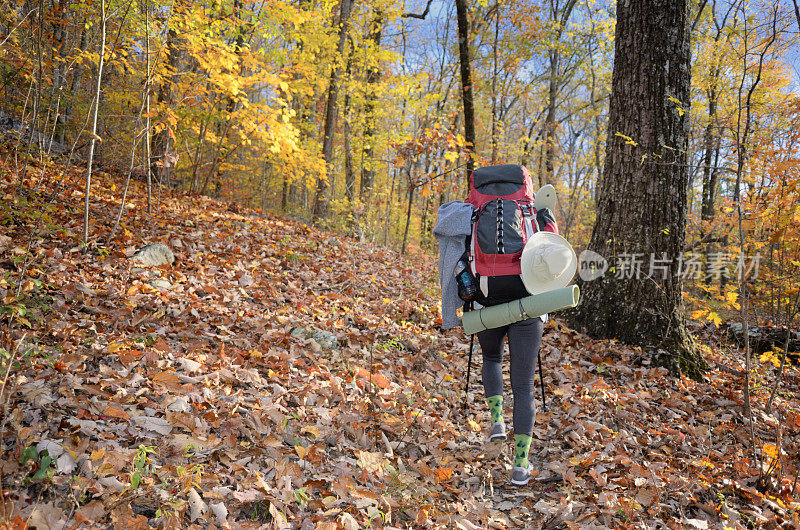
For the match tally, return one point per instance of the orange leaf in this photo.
(443, 473)
(770, 450)
(116, 413)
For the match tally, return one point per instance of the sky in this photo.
(430, 30)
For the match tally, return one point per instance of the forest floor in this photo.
(186, 395)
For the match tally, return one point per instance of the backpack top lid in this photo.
(510, 181)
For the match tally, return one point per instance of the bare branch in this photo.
(700, 10)
(417, 15)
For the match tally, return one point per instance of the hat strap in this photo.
(522, 310)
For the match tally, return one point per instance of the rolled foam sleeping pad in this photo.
(529, 307)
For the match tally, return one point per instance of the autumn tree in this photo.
(641, 211)
(331, 109)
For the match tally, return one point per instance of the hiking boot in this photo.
(520, 475)
(497, 432)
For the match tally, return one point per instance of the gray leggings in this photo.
(524, 339)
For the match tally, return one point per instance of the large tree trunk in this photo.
(466, 81)
(321, 204)
(642, 200)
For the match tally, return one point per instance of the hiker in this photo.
(488, 233)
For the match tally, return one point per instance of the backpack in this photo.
(503, 219)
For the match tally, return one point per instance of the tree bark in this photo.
(349, 172)
(321, 205)
(466, 82)
(495, 141)
(550, 121)
(711, 142)
(161, 143)
(147, 145)
(642, 200)
(711, 150)
(371, 97)
(76, 80)
(408, 214)
(94, 121)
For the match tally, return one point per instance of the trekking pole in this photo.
(468, 307)
(541, 380)
(541, 373)
(469, 367)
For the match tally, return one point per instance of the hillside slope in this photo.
(280, 375)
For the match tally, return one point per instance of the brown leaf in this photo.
(168, 379)
(123, 519)
(92, 512)
(116, 413)
(646, 497)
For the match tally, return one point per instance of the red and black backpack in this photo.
(503, 220)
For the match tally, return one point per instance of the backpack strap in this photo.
(483, 281)
(472, 243)
(528, 218)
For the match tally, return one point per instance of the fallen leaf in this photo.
(149, 423)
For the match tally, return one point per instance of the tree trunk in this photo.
(466, 82)
(642, 201)
(321, 205)
(349, 172)
(147, 145)
(76, 80)
(285, 192)
(371, 97)
(550, 121)
(94, 120)
(711, 145)
(408, 214)
(224, 126)
(162, 159)
(597, 120)
(495, 141)
(560, 17)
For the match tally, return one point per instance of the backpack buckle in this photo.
(527, 209)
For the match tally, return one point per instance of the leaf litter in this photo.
(201, 405)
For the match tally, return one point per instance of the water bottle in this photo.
(467, 286)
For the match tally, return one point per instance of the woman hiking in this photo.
(482, 241)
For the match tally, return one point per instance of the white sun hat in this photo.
(548, 263)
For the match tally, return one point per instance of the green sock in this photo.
(495, 408)
(522, 446)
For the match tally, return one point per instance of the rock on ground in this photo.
(326, 339)
(153, 255)
(160, 283)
